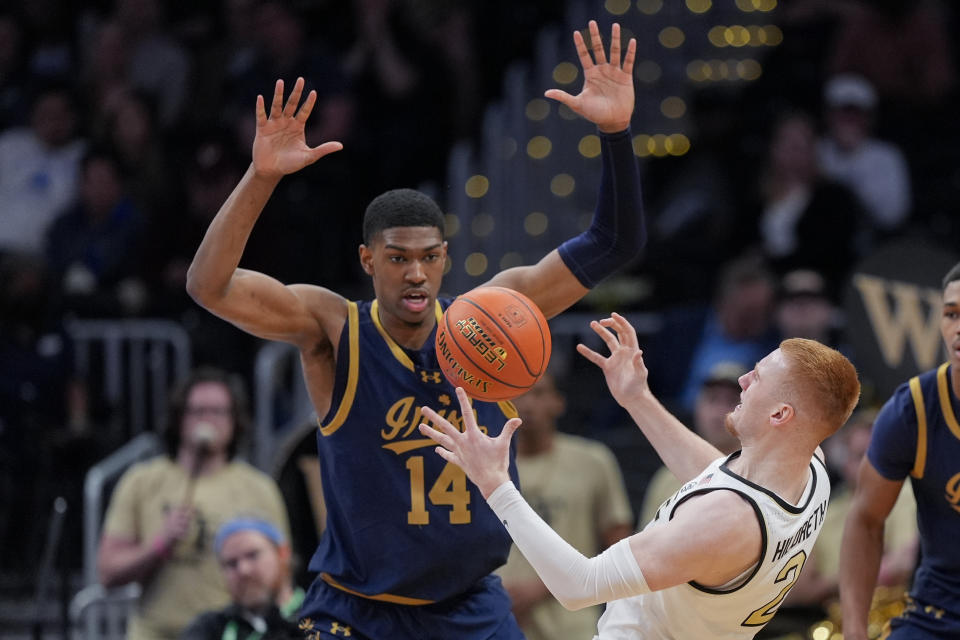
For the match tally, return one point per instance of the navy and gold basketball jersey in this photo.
(917, 434)
(403, 525)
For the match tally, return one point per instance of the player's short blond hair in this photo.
(824, 381)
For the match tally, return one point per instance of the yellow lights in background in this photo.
(673, 107)
(589, 146)
(477, 186)
(647, 71)
(539, 147)
(740, 36)
(475, 264)
(617, 7)
(482, 225)
(451, 225)
(510, 259)
(562, 185)
(661, 145)
(538, 109)
(719, 70)
(671, 37)
(535, 223)
(649, 7)
(565, 73)
(566, 112)
(748, 6)
(825, 631)
(749, 69)
(699, 6)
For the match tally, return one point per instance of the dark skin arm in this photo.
(607, 100)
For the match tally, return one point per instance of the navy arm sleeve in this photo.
(618, 231)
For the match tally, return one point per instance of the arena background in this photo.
(86, 357)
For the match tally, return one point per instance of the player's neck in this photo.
(955, 379)
(785, 475)
(407, 335)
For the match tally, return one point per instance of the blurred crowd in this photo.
(124, 124)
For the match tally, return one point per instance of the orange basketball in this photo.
(494, 342)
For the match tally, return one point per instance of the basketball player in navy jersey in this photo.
(409, 544)
(916, 434)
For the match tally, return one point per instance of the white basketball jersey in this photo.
(739, 609)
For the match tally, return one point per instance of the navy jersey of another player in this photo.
(403, 525)
(917, 434)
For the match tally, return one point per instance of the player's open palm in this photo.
(485, 460)
(607, 95)
(624, 369)
(280, 146)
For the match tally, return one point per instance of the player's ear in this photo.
(366, 259)
(782, 415)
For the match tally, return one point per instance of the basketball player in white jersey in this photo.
(722, 553)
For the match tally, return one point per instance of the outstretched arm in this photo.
(684, 452)
(672, 553)
(253, 301)
(617, 233)
(861, 548)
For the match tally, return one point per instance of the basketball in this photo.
(494, 342)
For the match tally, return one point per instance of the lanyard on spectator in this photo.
(230, 632)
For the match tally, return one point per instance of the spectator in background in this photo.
(799, 219)
(719, 395)
(160, 524)
(900, 46)
(157, 63)
(103, 78)
(39, 169)
(739, 328)
(92, 249)
(254, 558)
(805, 309)
(576, 486)
(396, 69)
(133, 133)
(874, 170)
(13, 70)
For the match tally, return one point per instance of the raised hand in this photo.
(485, 460)
(607, 95)
(280, 147)
(624, 370)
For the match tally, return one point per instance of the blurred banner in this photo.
(893, 306)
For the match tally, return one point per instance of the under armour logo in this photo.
(335, 628)
(430, 376)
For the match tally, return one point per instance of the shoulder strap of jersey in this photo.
(920, 459)
(353, 371)
(946, 405)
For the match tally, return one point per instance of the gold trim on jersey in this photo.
(509, 410)
(946, 407)
(396, 349)
(920, 459)
(382, 597)
(353, 371)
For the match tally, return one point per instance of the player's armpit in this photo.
(711, 539)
